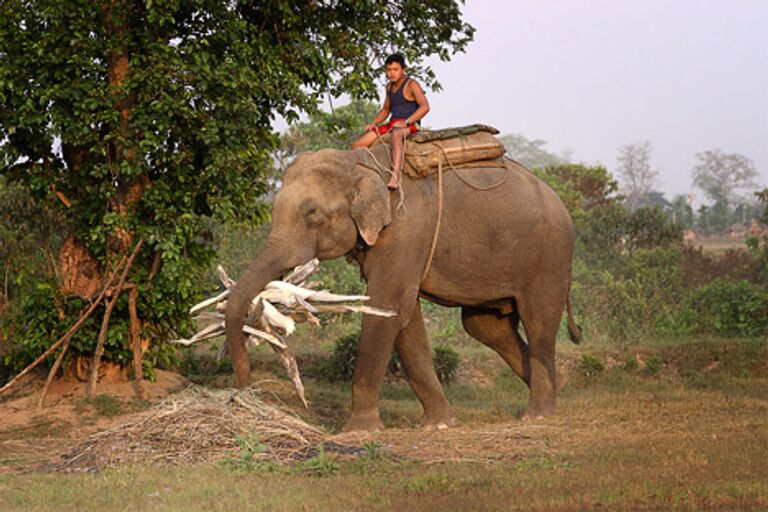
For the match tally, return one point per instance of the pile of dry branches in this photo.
(199, 425)
(274, 312)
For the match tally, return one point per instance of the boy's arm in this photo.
(380, 117)
(421, 99)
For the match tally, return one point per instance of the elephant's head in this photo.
(327, 200)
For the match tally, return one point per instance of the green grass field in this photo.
(669, 424)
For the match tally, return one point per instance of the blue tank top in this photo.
(399, 107)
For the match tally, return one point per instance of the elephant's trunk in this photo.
(273, 263)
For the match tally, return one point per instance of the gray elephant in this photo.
(503, 255)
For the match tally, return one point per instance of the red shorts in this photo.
(381, 130)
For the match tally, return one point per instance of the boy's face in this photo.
(395, 72)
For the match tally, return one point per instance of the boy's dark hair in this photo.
(395, 57)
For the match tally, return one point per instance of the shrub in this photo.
(590, 365)
(653, 365)
(446, 363)
(633, 299)
(631, 364)
(730, 308)
(341, 364)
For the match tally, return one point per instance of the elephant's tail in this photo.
(574, 331)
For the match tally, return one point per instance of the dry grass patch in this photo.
(199, 425)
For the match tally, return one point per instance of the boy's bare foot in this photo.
(393, 183)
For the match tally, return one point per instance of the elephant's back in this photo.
(508, 194)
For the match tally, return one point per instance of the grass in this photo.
(670, 424)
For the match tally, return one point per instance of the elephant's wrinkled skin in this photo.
(503, 255)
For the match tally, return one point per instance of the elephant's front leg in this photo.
(376, 341)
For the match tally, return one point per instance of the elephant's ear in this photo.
(370, 205)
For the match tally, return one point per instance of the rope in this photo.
(436, 235)
(462, 178)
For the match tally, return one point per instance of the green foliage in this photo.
(340, 276)
(681, 212)
(446, 363)
(729, 308)
(373, 451)
(323, 464)
(250, 457)
(156, 117)
(341, 364)
(631, 300)
(335, 129)
(631, 364)
(580, 187)
(653, 366)
(107, 405)
(590, 365)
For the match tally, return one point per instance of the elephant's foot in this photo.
(439, 421)
(539, 412)
(363, 423)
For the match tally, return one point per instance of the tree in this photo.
(719, 175)
(636, 173)
(580, 187)
(681, 211)
(653, 199)
(530, 153)
(144, 120)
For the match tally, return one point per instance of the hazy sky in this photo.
(592, 75)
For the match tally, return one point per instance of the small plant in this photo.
(653, 365)
(590, 365)
(322, 464)
(373, 451)
(107, 405)
(631, 364)
(446, 363)
(250, 457)
(341, 365)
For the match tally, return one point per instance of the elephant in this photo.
(503, 255)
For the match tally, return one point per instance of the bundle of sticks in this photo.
(274, 313)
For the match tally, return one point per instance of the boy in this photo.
(406, 102)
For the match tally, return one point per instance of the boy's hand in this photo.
(370, 127)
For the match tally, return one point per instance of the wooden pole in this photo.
(90, 388)
(72, 330)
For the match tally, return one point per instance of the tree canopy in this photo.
(147, 119)
(719, 175)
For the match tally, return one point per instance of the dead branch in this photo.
(65, 339)
(274, 312)
(90, 389)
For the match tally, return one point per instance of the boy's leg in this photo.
(364, 140)
(398, 137)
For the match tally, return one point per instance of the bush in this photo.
(446, 363)
(590, 365)
(729, 308)
(634, 298)
(341, 364)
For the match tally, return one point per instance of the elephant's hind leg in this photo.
(499, 332)
(541, 319)
(413, 347)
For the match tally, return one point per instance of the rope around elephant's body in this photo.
(401, 204)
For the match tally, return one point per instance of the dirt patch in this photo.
(29, 434)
